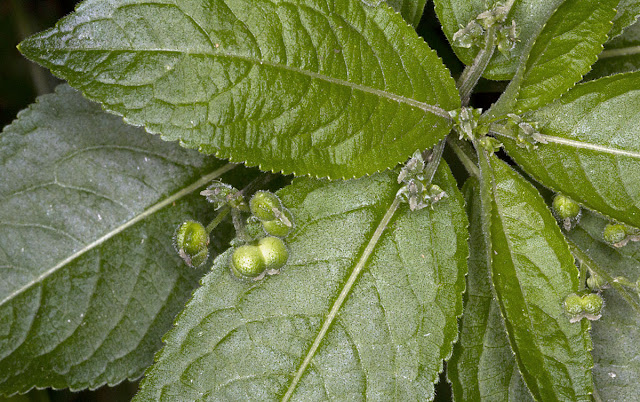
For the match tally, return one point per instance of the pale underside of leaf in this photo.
(620, 55)
(272, 339)
(340, 89)
(85, 244)
(592, 153)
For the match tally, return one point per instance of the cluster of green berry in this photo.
(260, 255)
(587, 306)
(618, 235)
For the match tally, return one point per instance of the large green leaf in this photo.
(318, 330)
(620, 55)
(592, 153)
(411, 10)
(89, 278)
(337, 88)
(561, 54)
(482, 367)
(533, 271)
(530, 17)
(616, 336)
(628, 12)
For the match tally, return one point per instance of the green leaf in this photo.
(592, 152)
(616, 336)
(411, 10)
(620, 55)
(482, 366)
(336, 88)
(562, 53)
(90, 279)
(628, 12)
(533, 271)
(530, 17)
(318, 330)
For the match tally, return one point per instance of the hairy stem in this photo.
(434, 160)
(224, 211)
(472, 73)
(465, 153)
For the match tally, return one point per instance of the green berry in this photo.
(247, 261)
(592, 304)
(614, 233)
(191, 241)
(200, 258)
(274, 252)
(573, 305)
(565, 207)
(279, 227)
(265, 205)
(596, 282)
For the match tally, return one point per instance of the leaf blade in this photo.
(376, 322)
(293, 96)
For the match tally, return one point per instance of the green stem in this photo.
(584, 258)
(465, 153)
(583, 276)
(472, 73)
(625, 282)
(434, 160)
(224, 211)
(333, 313)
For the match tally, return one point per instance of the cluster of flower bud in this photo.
(417, 191)
(472, 35)
(618, 235)
(587, 306)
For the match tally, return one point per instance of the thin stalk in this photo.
(583, 257)
(333, 313)
(472, 73)
(465, 154)
(224, 211)
(434, 160)
(583, 276)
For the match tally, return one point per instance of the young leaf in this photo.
(337, 88)
(315, 331)
(560, 55)
(533, 271)
(482, 366)
(90, 279)
(411, 10)
(628, 12)
(616, 336)
(620, 55)
(529, 15)
(591, 152)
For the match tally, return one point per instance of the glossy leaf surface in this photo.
(533, 271)
(252, 341)
(592, 152)
(89, 278)
(616, 336)
(338, 88)
(482, 367)
(562, 53)
(530, 17)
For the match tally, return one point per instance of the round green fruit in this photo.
(192, 237)
(592, 304)
(247, 261)
(565, 207)
(274, 252)
(573, 305)
(614, 233)
(278, 227)
(264, 205)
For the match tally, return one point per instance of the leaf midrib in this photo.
(148, 212)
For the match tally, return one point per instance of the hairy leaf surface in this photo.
(620, 55)
(89, 279)
(338, 88)
(482, 367)
(530, 17)
(592, 152)
(255, 341)
(533, 271)
(562, 53)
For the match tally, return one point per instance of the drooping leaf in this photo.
(628, 12)
(616, 336)
(337, 88)
(592, 153)
(411, 10)
(532, 272)
(560, 55)
(530, 17)
(620, 55)
(89, 279)
(482, 367)
(315, 332)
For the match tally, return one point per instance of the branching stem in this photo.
(465, 153)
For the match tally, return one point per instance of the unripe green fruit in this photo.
(274, 252)
(264, 205)
(614, 233)
(565, 207)
(200, 258)
(592, 304)
(573, 305)
(278, 227)
(247, 261)
(596, 282)
(191, 237)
